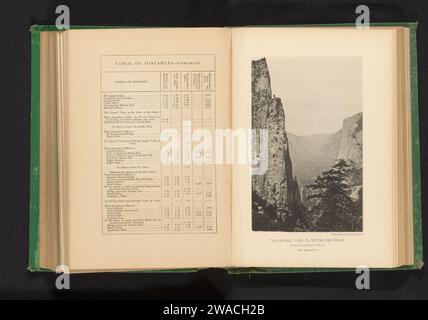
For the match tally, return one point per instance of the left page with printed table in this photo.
(136, 191)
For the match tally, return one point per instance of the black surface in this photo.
(16, 17)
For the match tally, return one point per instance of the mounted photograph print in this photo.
(312, 108)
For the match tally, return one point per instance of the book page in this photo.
(321, 103)
(140, 197)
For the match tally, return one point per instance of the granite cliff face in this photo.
(277, 189)
(351, 140)
(351, 150)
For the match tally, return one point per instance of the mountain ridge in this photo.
(312, 154)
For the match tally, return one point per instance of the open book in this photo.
(255, 149)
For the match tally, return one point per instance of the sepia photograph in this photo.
(312, 109)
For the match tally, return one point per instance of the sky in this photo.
(317, 92)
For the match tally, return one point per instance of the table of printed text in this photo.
(153, 106)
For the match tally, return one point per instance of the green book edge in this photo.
(33, 261)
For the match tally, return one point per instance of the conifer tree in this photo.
(334, 205)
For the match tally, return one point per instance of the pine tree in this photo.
(332, 194)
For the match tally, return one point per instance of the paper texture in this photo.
(128, 209)
(371, 246)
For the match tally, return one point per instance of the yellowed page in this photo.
(126, 209)
(319, 92)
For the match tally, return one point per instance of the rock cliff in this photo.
(277, 188)
(351, 140)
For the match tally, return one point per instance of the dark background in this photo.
(16, 17)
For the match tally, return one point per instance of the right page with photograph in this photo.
(320, 103)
